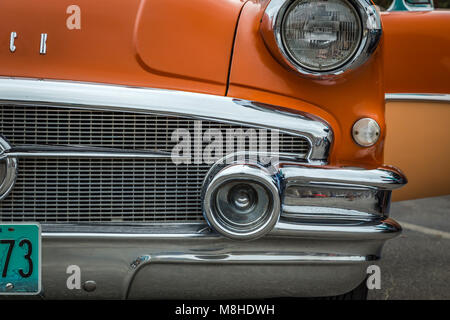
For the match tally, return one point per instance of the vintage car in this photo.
(197, 149)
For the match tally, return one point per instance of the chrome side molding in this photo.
(417, 97)
(168, 102)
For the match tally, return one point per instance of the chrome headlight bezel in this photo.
(271, 30)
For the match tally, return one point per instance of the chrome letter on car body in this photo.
(13, 37)
(43, 48)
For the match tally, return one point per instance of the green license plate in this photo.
(20, 258)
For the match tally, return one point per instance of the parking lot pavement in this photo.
(416, 265)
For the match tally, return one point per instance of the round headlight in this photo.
(321, 35)
(366, 132)
(319, 38)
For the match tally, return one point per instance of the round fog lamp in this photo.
(242, 202)
(243, 197)
(366, 132)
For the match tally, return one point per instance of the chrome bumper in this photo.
(307, 254)
(192, 262)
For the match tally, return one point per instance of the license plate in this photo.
(20, 258)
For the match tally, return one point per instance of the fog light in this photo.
(243, 197)
(366, 132)
(242, 202)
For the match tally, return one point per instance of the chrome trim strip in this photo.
(130, 231)
(50, 151)
(362, 230)
(383, 178)
(97, 235)
(270, 29)
(168, 102)
(372, 230)
(309, 212)
(417, 97)
(84, 151)
(250, 258)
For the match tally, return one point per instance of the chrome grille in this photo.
(61, 126)
(106, 190)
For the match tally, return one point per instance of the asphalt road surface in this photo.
(416, 265)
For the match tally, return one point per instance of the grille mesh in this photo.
(61, 126)
(113, 190)
(106, 190)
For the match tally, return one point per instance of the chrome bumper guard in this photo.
(313, 250)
